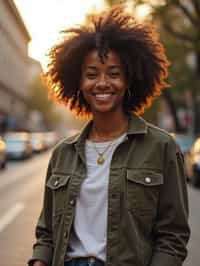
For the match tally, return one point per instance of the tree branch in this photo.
(187, 13)
(196, 4)
(178, 35)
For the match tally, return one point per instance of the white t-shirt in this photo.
(89, 232)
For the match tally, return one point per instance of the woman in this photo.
(116, 193)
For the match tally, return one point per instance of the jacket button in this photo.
(56, 183)
(72, 202)
(148, 179)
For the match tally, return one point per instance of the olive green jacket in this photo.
(147, 202)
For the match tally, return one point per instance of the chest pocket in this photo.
(58, 184)
(142, 190)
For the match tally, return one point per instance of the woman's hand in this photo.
(39, 263)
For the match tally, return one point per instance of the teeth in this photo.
(102, 96)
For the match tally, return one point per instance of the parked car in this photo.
(38, 141)
(2, 154)
(185, 143)
(18, 145)
(195, 162)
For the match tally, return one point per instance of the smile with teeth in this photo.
(103, 96)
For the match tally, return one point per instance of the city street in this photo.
(20, 202)
(21, 189)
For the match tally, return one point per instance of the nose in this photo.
(102, 82)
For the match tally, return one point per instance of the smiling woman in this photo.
(107, 189)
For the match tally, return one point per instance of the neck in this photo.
(109, 126)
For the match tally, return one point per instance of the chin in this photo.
(104, 110)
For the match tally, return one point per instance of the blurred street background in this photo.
(31, 123)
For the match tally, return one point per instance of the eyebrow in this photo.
(91, 67)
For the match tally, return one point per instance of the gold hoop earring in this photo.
(129, 93)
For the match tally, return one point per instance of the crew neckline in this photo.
(101, 143)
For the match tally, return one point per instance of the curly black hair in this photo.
(141, 53)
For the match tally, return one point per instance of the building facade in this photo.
(14, 65)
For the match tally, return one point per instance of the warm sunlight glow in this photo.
(129, 6)
(142, 11)
(44, 19)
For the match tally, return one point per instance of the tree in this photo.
(181, 20)
(38, 100)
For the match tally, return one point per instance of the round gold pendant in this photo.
(100, 160)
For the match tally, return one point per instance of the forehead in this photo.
(92, 58)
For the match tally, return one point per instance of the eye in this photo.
(115, 74)
(90, 75)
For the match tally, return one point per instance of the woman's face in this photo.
(103, 84)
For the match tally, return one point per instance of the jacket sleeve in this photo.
(43, 247)
(171, 228)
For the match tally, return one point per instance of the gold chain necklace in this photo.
(101, 159)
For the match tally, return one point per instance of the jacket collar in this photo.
(136, 125)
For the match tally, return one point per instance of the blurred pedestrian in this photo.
(116, 193)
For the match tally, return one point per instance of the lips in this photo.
(103, 96)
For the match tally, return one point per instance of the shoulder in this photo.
(64, 144)
(67, 141)
(164, 137)
(159, 134)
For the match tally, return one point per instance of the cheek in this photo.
(121, 86)
(86, 85)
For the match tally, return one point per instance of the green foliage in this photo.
(180, 72)
(38, 100)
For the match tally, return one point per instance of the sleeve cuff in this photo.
(42, 253)
(165, 259)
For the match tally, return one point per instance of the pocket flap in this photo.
(57, 180)
(145, 177)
